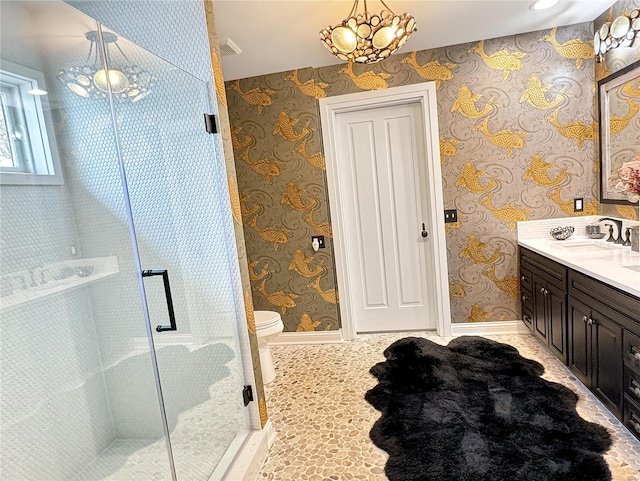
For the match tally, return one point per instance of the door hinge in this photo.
(210, 123)
(247, 395)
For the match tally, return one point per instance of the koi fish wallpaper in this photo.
(518, 141)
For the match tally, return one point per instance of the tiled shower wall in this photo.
(517, 142)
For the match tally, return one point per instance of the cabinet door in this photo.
(539, 309)
(607, 380)
(557, 321)
(579, 337)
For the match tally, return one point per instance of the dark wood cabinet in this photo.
(546, 304)
(607, 362)
(579, 352)
(595, 353)
(631, 384)
(603, 324)
(590, 325)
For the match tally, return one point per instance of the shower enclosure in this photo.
(120, 354)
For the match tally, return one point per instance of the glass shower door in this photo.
(175, 183)
(76, 363)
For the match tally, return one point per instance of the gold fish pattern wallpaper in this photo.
(283, 198)
(625, 129)
(517, 135)
(236, 208)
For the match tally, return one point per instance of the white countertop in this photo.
(609, 263)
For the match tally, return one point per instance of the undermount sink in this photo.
(588, 245)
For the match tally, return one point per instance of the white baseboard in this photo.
(485, 328)
(272, 434)
(312, 337)
(249, 460)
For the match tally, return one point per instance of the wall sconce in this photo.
(622, 32)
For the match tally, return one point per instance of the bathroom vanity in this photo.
(582, 299)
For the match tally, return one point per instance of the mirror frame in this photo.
(604, 86)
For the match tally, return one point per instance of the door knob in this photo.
(424, 231)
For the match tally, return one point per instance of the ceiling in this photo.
(279, 35)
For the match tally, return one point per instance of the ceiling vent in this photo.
(227, 47)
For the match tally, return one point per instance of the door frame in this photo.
(424, 94)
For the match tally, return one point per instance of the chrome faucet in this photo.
(618, 223)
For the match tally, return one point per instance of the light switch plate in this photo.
(578, 204)
(450, 215)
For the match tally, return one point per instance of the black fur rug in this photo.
(476, 410)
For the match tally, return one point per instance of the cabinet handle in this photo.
(593, 322)
(636, 391)
(637, 356)
(585, 319)
(526, 318)
(542, 290)
(525, 299)
(524, 278)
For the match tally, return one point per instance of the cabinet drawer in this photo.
(632, 417)
(527, 317)
(526, 279)
(631, 351)
(526, 298)
(632, 385)
(609, 297)
(550, 270)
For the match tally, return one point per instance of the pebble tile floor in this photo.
(317, 406)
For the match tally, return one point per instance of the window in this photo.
(28, 152)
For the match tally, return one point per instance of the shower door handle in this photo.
(167, 292)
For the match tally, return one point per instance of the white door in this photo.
(381, 153)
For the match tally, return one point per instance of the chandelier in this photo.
(366, 38)
(128, 82)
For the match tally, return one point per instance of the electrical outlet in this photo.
(578, 204)
(320, 240)
(450, 215)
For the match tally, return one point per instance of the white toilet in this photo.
(268, 327)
